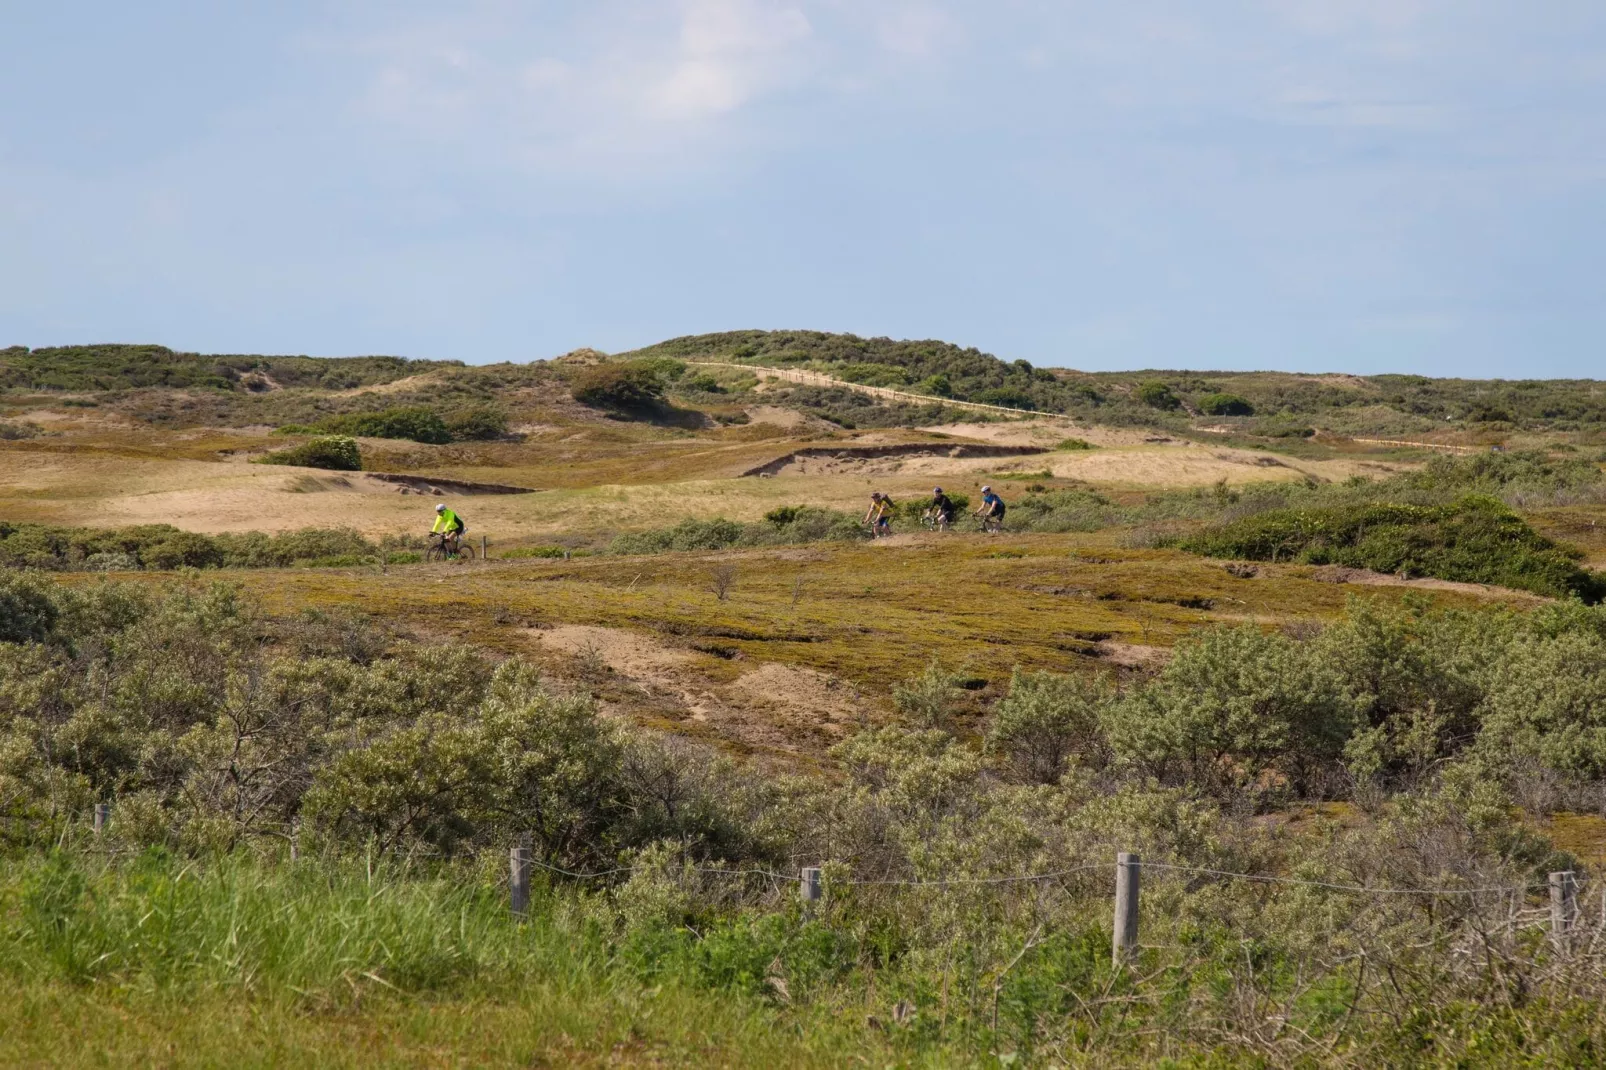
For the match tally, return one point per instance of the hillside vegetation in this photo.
(1262, 403)
(221, 736)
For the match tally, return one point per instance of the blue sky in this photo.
(1354, 185)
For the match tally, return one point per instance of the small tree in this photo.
(928, 699)
(1157, 395)
(1049, 721)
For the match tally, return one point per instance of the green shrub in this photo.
(481, 423)
(337, 453)
(416, 423)
(1475, 539)
(27, 611)
(1156, 395)
(632, 387)
(783, 525)
(534, 551)
(701, 383)
(1074, 444)
(1225, 405)
(1048, 723)
(1233, 705)
(10, 432)
(161, 546)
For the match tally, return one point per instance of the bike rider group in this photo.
(939, 513)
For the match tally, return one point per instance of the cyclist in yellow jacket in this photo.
(449, 524)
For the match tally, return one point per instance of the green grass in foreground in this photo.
(156, 961)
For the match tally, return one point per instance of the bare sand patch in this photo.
(774, 707)
(1368, 578)
(1046, 433)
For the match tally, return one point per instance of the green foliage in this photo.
(1474, 539)
(1074, 444)
(1232, 706)
(338, 453)
(162, 546)
(417, 423)
(27, 612)
(1225, 405)
(786, 524)
(125, 367)
(1157, 395)
(480, 423)
(404, 771)
(10, 432)
(534, 551)
(1049, 723)
(929, 699)
(871, 374)
(630, 387)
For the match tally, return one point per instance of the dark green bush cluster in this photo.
(788, 524)
(126, 367)
(417, 423)
(211, 726)
(1475, 539)
(336, 453)
(162, 546)
(1225, 405)
(627, 387)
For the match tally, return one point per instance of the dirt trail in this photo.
(806, 378)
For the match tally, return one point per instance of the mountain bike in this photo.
(442, 550)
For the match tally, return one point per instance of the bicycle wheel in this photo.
(436, 552)
(465, 551)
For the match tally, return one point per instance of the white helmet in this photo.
(440, 507)
(986, 490)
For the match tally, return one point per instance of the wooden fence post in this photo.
(1563, 906)
(103, 816)
(482, 547)
(809, 886)
(519, 880)
(1127, 881)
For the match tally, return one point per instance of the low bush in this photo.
(1475, 539)
(10, 432)
(1156, 395)
(534, 551)
(1225, 405)
(337, 453)
(162, 546)
(481, 423)
(416, 423)
(1074, 444)
(629, 388)
(787, 524)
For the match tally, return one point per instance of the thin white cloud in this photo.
(729, 52)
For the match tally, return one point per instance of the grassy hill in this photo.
(1261, 403)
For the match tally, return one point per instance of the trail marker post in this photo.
(103, 815)
(809, 889)
(519, 880)
(1127, 881)
(1563, 907)
(482, 547)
